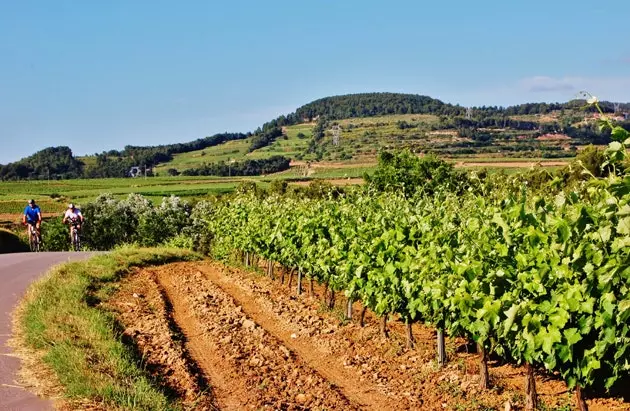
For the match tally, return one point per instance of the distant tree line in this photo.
(264, 138)
(269, 165)
(59, 162)
(115, 163)
(50, 163)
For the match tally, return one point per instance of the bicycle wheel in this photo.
(76, 243)
(33, 239)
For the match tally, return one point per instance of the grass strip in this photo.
(61, 321)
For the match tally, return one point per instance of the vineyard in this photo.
(539, 280)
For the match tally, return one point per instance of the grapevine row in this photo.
(536, 281)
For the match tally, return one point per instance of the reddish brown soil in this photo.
(149, 324)
(258, 345)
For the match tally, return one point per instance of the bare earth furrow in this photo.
(248, 366)
(327, 364)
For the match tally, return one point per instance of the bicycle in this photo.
(75, 236)
(34, 241)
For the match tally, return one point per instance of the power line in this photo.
(336, 131)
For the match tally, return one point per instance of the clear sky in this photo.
(97, 75)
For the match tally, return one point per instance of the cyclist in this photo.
(73, 214)
(33, 216)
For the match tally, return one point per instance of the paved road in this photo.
(17, 271)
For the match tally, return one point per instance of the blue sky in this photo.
(97, 75)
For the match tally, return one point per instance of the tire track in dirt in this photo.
(247, 365)
(229, 393)
(358, 392)
(143, 310)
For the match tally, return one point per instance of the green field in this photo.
(53, 196)
(289, 145)
(231, 150)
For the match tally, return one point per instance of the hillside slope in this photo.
(554, 134)
(354, 126)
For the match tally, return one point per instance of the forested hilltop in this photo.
(477, 130)
(381, 104)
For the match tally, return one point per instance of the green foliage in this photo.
(180, 241)
(159, 224)
(405, 172)
(279, 187)
(264, 138)
(198, 233)
(52, 162)
(118, 163)
(111, 222)
(269, 165)
(55, 235)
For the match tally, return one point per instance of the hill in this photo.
(367, 123)
(351, 127)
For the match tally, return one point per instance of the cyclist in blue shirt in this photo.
(32, 215)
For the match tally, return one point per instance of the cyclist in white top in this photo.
(73, 215)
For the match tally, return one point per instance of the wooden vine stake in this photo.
(410, 340)
(484, 377)
(311, 288)
(384, 331)
(579, 399)
(349, 309)
(246, 258)
(362, 319)
(531, 398)
(291, 277)
(299, 282)
(441, 347)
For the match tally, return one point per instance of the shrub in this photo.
(157, 225)
(110, 222)
(279, 187)
(198, 232)
(55, 235)
(11, 242)
(408, 173)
